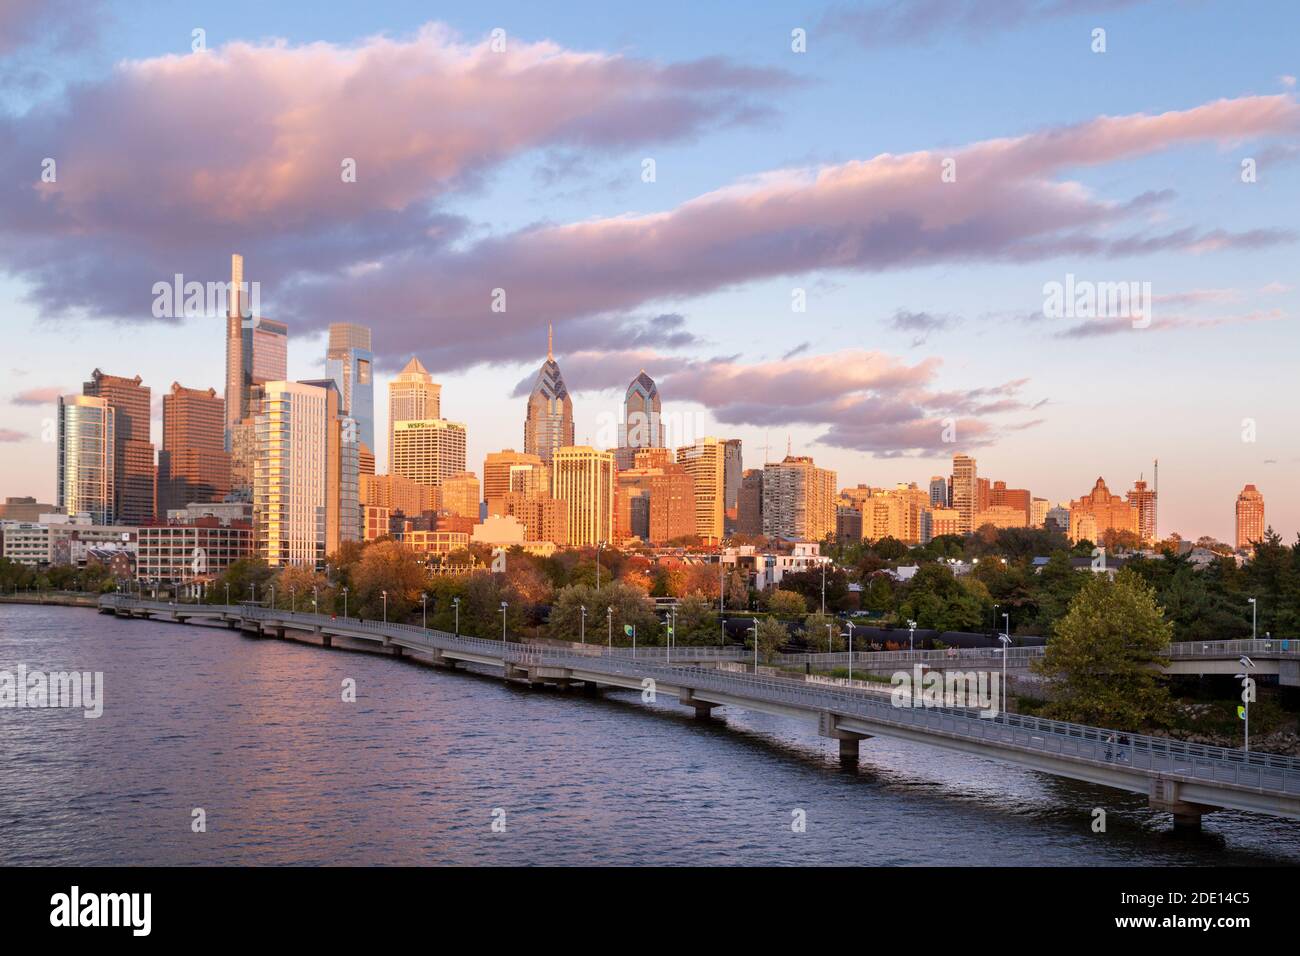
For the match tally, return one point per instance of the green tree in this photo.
(1104, 656)
(772, 634)
(818, 637)
(786, 604)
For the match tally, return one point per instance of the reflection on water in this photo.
(255, 732)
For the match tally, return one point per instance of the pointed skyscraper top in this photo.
(416, 366)
(550, 341)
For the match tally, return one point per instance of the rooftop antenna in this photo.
(766, 447)
(550, 342)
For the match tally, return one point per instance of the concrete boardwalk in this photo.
(1184, 779)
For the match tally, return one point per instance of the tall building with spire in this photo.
(549, 423)
(1143, 499)
(413, 396)
(642, 426)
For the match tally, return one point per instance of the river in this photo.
(255, 733)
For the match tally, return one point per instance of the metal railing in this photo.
(1137, 752)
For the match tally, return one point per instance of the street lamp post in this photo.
(227, 594)
(582, 624)
(455, 603)
(293, 600)
(600, 545)
(1254, 607)
(272, 597)
(384, 595)
(850, 623)
(755, 620)
(911, 635)
(345, 603)
(315, 598)
(823, 588)
(504, 605)
(830, 638)
(424, 609)
(1006, 641)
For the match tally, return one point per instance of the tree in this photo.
(630, 604)
(387, 566)
(772, 634)
(697, 621)
(242, 576)
(817, 636)
(1103, 659)
(786, 604)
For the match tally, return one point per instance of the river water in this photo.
(255, 733)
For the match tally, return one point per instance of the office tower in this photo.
(86, 453)
(193, 465)
(349, 361)
(798, 500)
(899, 514)
(305, 498)
(396, 493)
(1038, 509)
(549, 422)
(1250, 517)
(365, 459)
(135, 476)
(749, 503)
(848, 524)
(583, 478)
(965, 490)
(1100, 512)
(939, 491)
(733, 469)
(413, 396)
(509, 470)
(460, 494)
(642, 425)
(544, 518)
(428, 450)
(982, 493)
(654, 500)
(705, 462)
(257, 352)
(1000, 496)
(1144, 500)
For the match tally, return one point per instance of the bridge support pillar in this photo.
(1166, 795)
(279, 633)
(828, 725)
(327, 640)
(703, 708)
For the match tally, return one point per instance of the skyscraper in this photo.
(342, 470)
(135, 476)
(965, 490)
(413, 396)
(1098, 513)
(549, 422)
(86, 457)
(1144, 500)
(257, 351)
(349, 361)
(193, 465)
(509, 470)
(733, 469)
(641, 426)
(798, 500)
(749, 504)
(705, 462)
(428, 450)
(939, 491)
(1250, 517)
(583, 478)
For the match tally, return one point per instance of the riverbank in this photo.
(57, 598)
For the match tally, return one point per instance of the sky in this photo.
(833, 228)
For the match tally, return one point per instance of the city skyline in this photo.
(862, 380)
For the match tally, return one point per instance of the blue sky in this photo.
(959, 76)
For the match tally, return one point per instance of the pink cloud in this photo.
(39, 396)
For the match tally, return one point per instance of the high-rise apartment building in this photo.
(965, 490)
(349, 361)
(749, 503)
(398, 493)
(733, 471)
(428, 450)
(305, 498)
(654, 501)
(193, 465)
(1038, 508)
(1000, 496)
(583, 478)
(413, 396)
(548, 425)
(899, 514)
(86, 453)
(705, 462)
(135, 475)
(939, 491)
(1250, 517)
(544, 518)
(798, 500)
(1144, 500)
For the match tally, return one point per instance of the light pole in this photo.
(424, 609)
(600, 545)
(1006, 622)
(823, 588)
(503, 621)
(668, 636)
(755, 620)
(227, 594)
(315, 598)
(1253, 609)
(609, 622)
(1247, 692)
(911, 635)
(850, 623)
(1006, 642)
(345, 603)
(455, 603)
(582, 624)
(273, 597)
(293, 600)
(384, 595)
(830, 639)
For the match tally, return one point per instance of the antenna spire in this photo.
(550, 342)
